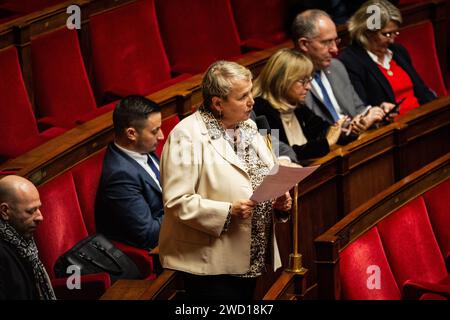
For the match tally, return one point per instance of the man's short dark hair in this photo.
(132, 111)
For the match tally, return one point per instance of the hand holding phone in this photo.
(394, 110)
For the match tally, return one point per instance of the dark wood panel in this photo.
(367, 180)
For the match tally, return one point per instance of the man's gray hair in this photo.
(305, 24)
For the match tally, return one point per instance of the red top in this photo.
(402, 86)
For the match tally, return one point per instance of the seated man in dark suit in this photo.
(22, 274)
(129, 204)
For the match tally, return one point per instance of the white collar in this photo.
(386, 60)
(133, 154)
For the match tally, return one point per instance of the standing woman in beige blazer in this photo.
(211, 163)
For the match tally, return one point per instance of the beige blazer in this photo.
(201, 177)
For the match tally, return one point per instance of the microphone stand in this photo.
(295, 258)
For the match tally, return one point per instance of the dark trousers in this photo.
(218, 287)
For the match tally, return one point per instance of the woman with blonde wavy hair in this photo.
(280, 92)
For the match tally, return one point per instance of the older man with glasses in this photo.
(332, 95)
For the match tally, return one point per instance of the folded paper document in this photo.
(279, 180)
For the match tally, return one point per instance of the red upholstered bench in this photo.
(402, 255)
(68, 209)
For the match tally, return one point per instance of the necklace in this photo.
(390, 73)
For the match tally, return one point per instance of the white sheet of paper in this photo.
(279, 180)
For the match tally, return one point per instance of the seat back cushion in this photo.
(86, 176)
(205, 33)
(63, 224)
(438, 207)
(410, 245)
(62, 88)
(134, 60)
(419, 40)
(364, 270)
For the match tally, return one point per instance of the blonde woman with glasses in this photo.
(381, 70)
(280, 92)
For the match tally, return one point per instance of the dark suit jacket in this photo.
(370, 83)
(16, 275)
(314, 129)
(129, 205)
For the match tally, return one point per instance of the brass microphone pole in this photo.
(295, 258)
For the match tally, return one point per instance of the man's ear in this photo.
(303, 44)
(4, 211)
(131, 133)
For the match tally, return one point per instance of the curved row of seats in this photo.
(404, 255)
(151, 48)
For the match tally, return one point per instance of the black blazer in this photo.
(129, 205)
(314, 129)
(16, 275)
(369, 82)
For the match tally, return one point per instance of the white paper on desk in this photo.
(279, 180)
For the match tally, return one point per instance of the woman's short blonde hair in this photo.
(218, 80)
(278, 75)
(358, 25)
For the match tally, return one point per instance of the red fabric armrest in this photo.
(93, 286)
(415, 289)
(140, 257)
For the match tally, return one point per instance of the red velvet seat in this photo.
(134, 60)
(197, 33)
(419, 40)
(437, 203)
(62, 228)
(166, 127)
(412, 250)
(86, 176)
(63, 93)
(368, 253)
(18, 127)
(261, 25)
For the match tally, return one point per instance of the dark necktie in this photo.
(153, 167)
(326, 97)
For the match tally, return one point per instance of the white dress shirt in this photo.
(141, 159)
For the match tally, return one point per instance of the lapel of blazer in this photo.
(138, 167)
(365, 59)
(340, 94)
(221, 146)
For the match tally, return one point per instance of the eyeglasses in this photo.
(391, 34)
(305, 81)
(329, 43)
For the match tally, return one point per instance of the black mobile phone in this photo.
(395, 109)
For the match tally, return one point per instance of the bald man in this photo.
(22, 274)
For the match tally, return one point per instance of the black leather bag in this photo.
(96, 254)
